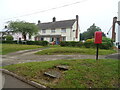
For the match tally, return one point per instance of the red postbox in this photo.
(98, 37)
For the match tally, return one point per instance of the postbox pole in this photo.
(97, 51)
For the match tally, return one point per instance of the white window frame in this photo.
(51, 39)
(63, 38)
(53, 31)
(43, 30)
(63, 30)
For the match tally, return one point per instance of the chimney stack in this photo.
(113, 29)
(77, 26)
(54, 19)
(39, 22)
(77, 17)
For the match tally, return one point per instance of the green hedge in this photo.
(71, 44)
(106, 43)
(9, 42)
(89, 44)
(42, 43)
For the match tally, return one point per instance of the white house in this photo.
(65, 30)
(118, 25)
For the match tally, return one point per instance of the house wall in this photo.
(73, 32)
(16, 36)
(57, 32)
(119, 20)
(70, 33)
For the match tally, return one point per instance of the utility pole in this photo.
(113, 29)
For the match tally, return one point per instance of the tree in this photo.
(90, 32)
(23, 27)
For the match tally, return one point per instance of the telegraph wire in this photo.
(41, 11)
(109, 29)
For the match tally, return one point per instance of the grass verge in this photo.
(74, 50)
(82, 73)
(8, 48)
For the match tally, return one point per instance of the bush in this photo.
(9, 38)
(106, 43)
(43, 43)
(71, 44)
(63, 43)
(9, 42)
(89, 43)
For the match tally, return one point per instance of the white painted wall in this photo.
(70, 35)
(119, 20)
(74, 33)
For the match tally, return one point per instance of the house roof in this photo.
(57, 24)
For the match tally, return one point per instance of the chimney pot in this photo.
(77, 17)
(39, 21)
(54, 19)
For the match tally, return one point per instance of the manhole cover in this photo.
(53, 74)
(63, 67)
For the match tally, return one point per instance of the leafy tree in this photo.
(23, 27)
(9, 38)
(90, 32)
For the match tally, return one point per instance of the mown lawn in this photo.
(74, 50)
(87, 73)
(8, 48)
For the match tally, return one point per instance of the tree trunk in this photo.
(24, 36)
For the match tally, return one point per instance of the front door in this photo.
(57, 41)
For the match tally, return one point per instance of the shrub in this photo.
(71, 43)
(9, 38)
(9, 42)
(43, 43)
(89, 43)
(106, 43)
(63, 43)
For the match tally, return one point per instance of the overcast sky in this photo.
(99, 12)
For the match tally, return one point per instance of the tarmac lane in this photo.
(12, 82)
(114, 56)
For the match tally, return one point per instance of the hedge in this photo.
(106, 43)
(71, 44)
(42, 43)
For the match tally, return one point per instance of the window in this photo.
(43, 31)
(63, 30)
(63, 38)
(51, 39)
(53, 31)
(41, 39)
(73, 30)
